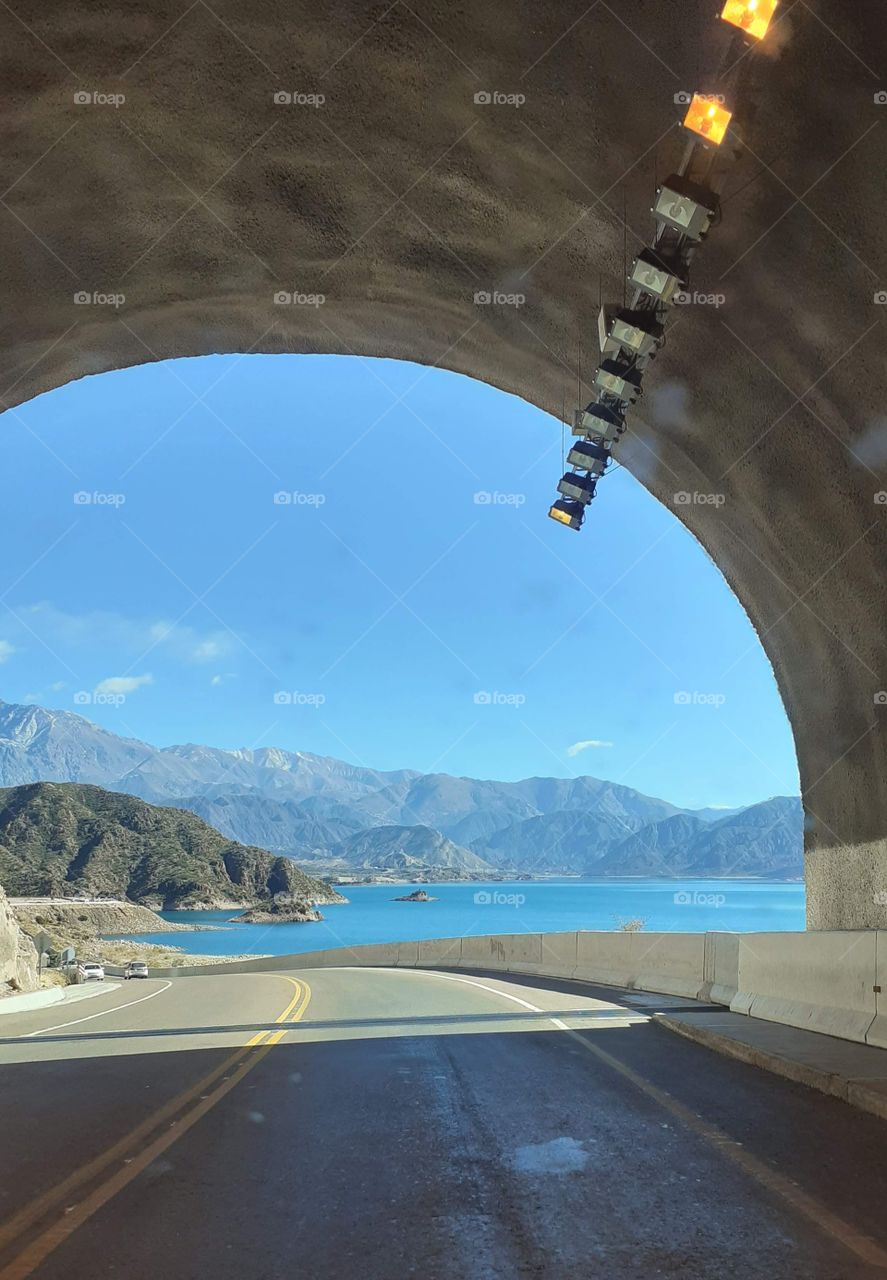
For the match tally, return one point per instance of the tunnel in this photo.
(461, 186)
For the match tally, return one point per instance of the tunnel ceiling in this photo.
(146, 156)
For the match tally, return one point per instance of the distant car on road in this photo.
(136, 969)
(92, 972)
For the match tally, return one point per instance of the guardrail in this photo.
(832, 982)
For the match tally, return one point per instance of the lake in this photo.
(463, 909)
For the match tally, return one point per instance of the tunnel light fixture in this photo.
(586, 456)
(707, 117)
(566, 512)
(598, 422)
(751, 16)
(685, 206)
(659, 275)
(577, 487)
(636, 332)
(620, 379)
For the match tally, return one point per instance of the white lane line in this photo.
(117, 1009)
(506, 995)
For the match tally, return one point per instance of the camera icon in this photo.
(682, 699)
(881, 498)
(682, 298)
(682, 499)
(482, 298)
(482, 898)
(682, 898)
(82, 498)
(483, 698)
(483, 97)
(82, 698)
(881, 98)
(682, 98)
(283, 499)
(282, 98)
(82, 298)
(82, 98)
(880, 698)
(880, 298)
(282, 298)
(283, 699)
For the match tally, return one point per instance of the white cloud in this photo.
(136, 637)
(123, 684)
(6, 650)
(578, 747)
(57, 686)
(220, 679)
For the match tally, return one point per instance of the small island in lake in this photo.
(295, 911)
(418, 895)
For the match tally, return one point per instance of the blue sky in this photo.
(380, 613)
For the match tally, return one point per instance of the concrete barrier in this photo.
(819, 981)
(721, 968)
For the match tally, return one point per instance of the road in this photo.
(385, 1124)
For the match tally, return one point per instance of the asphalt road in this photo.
(384, 1124)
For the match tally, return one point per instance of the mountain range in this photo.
(336, 815)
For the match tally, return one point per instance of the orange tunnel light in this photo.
(708, 118)
(751, 16)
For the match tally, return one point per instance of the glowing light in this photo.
(751, 16)
(707, 118)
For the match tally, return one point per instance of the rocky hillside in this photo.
(58, 839)
(18, 955)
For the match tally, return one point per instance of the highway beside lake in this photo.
(397, 1123)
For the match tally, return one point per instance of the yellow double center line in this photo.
(200, 1098)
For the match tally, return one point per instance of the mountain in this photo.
(305, 806)
(389, 848)
(763, 840)
(57, 839)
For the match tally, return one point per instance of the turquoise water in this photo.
(465, 909)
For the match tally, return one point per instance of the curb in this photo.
(855, 1092)
(27, 1001)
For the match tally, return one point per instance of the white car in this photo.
(92, 972)
(135, 969)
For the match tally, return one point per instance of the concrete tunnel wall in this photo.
(831, 982)
(400, 197)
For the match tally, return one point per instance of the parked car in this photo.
(92, 972)
(136, 969)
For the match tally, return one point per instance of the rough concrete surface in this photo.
(400, 197)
